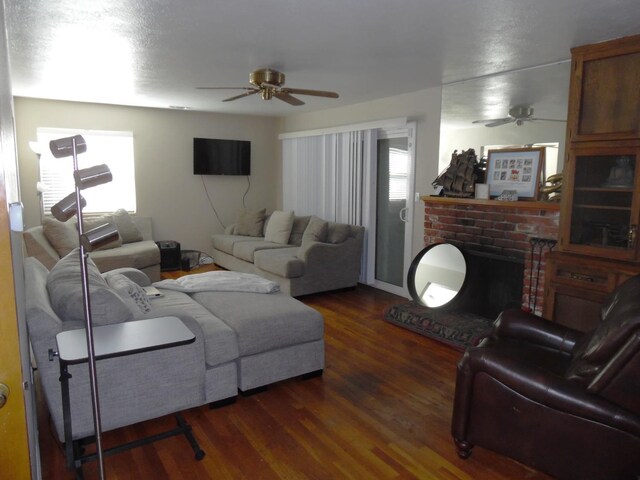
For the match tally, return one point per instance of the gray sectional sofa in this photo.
(311, 256)
(135, 248)
(244, 341)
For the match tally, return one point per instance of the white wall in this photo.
(166, 188)
(423, 107)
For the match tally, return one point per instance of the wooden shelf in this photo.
(523, 204)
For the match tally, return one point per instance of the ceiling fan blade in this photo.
(491, 120)
(315, 93)
(546, 119)
(285, 97)
(246, 94)
(225, 88)
(502, 121)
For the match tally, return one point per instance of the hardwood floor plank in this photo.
(382, 409)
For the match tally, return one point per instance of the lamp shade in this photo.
(99, 236)
(92, 176)
(63, 147)
(67, 208)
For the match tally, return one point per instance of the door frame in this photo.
(408, 131)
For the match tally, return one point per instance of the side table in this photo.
(111, 341)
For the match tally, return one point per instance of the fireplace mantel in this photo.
(520, 204)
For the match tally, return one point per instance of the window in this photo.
(115, 149)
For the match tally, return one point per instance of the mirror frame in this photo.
(411, 284)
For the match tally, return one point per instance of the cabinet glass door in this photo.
(603, 211)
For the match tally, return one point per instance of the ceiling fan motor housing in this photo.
(521, 112)
(266, 75)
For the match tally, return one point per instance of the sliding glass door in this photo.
(394, 212)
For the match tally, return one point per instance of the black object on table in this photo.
(111, 341)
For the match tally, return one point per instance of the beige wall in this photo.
(166, 188)
(423, 107)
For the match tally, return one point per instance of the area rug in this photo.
(457, 329)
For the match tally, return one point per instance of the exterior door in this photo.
(14, 446)
(394, 212)
(14, 443)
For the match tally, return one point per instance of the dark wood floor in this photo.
(381, 411)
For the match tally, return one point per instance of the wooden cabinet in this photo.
(600, 210)
(601, 207)
(604, 94)
(576, 287)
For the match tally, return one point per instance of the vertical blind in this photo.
(115, 149)
(331, 176)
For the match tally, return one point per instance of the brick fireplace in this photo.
(497, 228)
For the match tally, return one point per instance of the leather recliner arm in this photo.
(517, 324)
(542, 387)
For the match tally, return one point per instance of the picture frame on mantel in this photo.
(516, 169)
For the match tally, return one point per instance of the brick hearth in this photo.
(501, 228)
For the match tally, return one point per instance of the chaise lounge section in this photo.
(243, 341)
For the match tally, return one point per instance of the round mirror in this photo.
(437, 275)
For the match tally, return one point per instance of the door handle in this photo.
(4, 394)
(403, 214)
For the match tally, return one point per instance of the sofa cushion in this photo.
(264, 322)
(64, 285)
(130, 292)
(250, 223)
(316, 230)
(43, 322)
(246, 250)
(220, 346)
(63, 236)
(225, 243)
(297, 230)
(338, 232)
(138, 255)
(278, 227)
(282, 262)
(128, 230)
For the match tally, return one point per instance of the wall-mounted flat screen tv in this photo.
(221, 157)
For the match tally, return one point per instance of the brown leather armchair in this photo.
(564, 402)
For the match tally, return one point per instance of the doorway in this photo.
(394, 208)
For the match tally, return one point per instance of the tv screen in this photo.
(221, 157)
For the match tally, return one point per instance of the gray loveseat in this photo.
(313, 255)
(53, 239)
(244, 341)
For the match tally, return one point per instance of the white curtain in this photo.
(332, 176)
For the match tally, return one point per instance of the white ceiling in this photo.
(155, 52)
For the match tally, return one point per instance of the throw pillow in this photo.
(133, 294)
(299, 226)
(279, 227)
(127, 228)
(316, 231)
(338, 232)
(64, 285)
(62, 236)
(250, 223)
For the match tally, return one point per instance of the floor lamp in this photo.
(66, 208)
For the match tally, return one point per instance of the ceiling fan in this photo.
(269, 83)
(517, 115)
